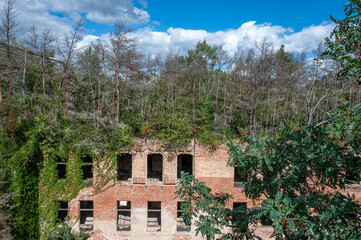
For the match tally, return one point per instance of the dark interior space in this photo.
(184, 163)
(124, 167)
(124, 216)
(237, 177)
(155, 166)
(181, 226)
(61, 168)
(87, 167)
(63, 211)
(154, 215)
(86, 215)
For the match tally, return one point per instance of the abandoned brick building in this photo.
(141, 203)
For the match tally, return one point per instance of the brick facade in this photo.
(209, 167)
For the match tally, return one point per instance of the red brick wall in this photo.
(209, 167)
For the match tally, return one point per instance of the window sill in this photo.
(238, 185)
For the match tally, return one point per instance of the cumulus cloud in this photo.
(36, 12)
(61, 14)
(232, 40)
(308, 38)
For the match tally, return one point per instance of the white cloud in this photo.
(308, 38)
(60, 15)
(232, 40)
(105, 11)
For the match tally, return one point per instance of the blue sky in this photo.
(221, 15)
(162, 26)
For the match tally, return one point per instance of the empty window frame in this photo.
(86, 215)
(124, 167)
(238, 180)
(63, 211)
(124, 216)
(181, 226)
(87, 167)
(154, 219)
(155, 167)
(352, 177)
(352, 215)
(185, 164)
(237, 206)
(61, 168)
(266, 221)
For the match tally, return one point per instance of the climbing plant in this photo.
(31, 152)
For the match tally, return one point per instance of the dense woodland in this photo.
(57, 98)
(206, 94)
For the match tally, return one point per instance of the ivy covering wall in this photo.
(29, 152)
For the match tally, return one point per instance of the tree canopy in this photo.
(344, 44)
(301, 174)
(59, 102)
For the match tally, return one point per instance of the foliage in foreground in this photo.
(298, 174)
(345, 45)
(32, 140)
(65, 232)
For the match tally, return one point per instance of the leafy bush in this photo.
(64, 231)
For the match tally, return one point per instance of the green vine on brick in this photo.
(31, 152)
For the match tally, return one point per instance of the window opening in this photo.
(155, 167)
(239, 204)
(154, 216)
(184, 163)
(266, 221)
(123, 215)
(63, 211)
(236, 207)
(352, 215)
(352, 177)
(124, 167)
(181, 226)
(86, 215)
(87, 167)
(238, 180)
(61, 168)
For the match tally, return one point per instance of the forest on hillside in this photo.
(109, 87)
(60, 101)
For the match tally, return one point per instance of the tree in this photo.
(67, 51)
(8, 30)
(344, 43)
(90, 70)
(65, 232)
(298, 176)
(120, 43)
(42, 44)
(5, 209)
(200, 64)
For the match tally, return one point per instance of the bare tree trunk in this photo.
(8, 29)
(105, 79)
(194, 109)
(24, 72)
(43, 75)
(117, 95)
(67, 95)
(70, 43)
(217, 91)
(99, 94)
(224, 110)
(11, 77)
